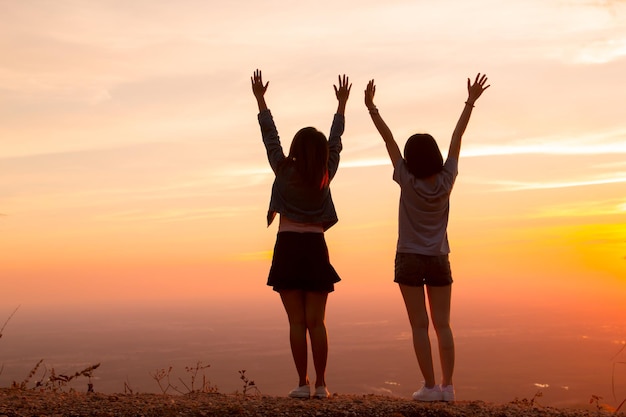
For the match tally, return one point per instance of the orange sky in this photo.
(131, 166)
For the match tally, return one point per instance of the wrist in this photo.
(372, 109)
(470, 103)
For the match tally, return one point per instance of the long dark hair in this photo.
(309, 154)
(422, 155)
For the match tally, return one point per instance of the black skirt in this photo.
(301, 262)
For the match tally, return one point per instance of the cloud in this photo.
(507, 185)
(602, 51)
(173, 215)
(364, 163)
(609, 143)
(600, 143)
(255, 256)
(606, 4)
(584, 209)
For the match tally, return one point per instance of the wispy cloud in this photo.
(510, 185)
(603, 37)
(602, 51)
(584, 209)
(544, 149)
(262, 172)
(608, 142)
(254, 256)
(364, 163)
(173, 215)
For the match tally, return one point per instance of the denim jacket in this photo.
(288, 197)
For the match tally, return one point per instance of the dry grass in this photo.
(15, 403)
(48, 381)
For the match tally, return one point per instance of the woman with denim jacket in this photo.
(422, 268)
(301, 271)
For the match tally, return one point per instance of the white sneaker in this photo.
(428, 394)
(447, 393)
(321, 392)
(303, 391)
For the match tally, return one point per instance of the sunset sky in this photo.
(132, 167)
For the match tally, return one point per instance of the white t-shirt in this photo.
(424, 210)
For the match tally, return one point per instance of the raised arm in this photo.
(269, 133)
(383, 129)
(258, 89)
(342, 92)
(474, 90)
(336, 129)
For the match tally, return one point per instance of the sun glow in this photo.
(138, 154)
(603, 247)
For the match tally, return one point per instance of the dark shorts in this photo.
(419, 270)
(301, 262)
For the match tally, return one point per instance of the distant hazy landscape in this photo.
(500, 358)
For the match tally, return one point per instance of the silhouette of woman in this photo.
(301, 271)
(422, 249)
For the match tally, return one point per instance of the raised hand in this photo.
(370, 91)
(342, 92)
(257, 84)
(475, 89)
(258, 89)
(392, 147)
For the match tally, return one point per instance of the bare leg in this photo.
(294, 303)
(415, 302)
(439, 300)
(315, 312)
